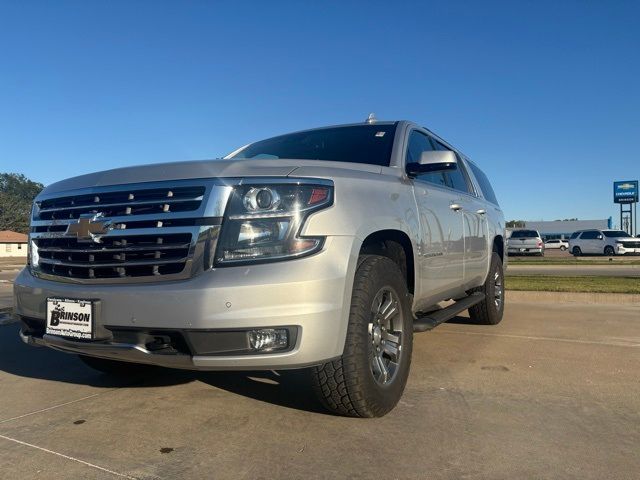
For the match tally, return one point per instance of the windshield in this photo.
(524, 234)
(359, 143)
(616, 234)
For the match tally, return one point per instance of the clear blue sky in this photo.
(543, 95)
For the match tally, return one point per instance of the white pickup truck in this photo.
(324, 249)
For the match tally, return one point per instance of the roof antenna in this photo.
(371, 118)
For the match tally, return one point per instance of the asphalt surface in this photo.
(571, 270)
(550, 393)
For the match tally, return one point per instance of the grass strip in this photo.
(544, 283)
(571, 261)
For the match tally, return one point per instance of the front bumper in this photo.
(622, 250)
(310, 295)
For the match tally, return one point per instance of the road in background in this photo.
(534, 397)
(557, 254)
(573, 270)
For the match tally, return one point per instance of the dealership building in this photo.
(564, 228)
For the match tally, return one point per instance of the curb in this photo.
(574, 297)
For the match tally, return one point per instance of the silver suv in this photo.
(525, 242)
(603, 242)
(324, 249)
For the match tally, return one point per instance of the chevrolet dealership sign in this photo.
(625, 192)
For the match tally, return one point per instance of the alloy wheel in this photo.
(385, 333)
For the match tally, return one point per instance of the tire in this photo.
(563, 248)
(576, 251)
(355, 385)
(113, 367)
(609, 251)
(491, 309)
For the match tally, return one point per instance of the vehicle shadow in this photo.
(286, 388)
(291, 389)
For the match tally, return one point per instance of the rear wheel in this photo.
(609, 251)
(577, 251)
(370, 376)
(491, 309)
(563, 248)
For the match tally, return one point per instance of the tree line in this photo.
(16, 198)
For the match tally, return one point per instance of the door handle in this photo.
(482, 211)
(455, 207)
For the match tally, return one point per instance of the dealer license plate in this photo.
(70, 317)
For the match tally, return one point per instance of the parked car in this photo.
(323, 249)
(556, 243)
(603, 242)
(523, 242)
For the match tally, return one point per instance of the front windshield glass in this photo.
(359, 143)
(616, 234)
(524, 234)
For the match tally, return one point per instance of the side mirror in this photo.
(600, 237)
(433, 161)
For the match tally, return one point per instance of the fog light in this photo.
(267, 339)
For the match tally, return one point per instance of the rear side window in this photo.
(485, 185)
(591, 235)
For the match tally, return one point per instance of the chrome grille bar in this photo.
(141, 238)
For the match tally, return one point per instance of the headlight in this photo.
(263, 221)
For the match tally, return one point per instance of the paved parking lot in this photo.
(552, 392)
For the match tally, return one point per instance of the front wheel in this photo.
(577, 251)
(563, 248)
(491, 309)
(609, 251)
(370, 376)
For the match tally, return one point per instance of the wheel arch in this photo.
(396, 245)
(498, 246)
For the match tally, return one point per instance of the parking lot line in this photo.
(551, 339)
(73, 459)
(54, 407)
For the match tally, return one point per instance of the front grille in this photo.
(141, 232)
(125, 202)
(631, 244)
(115, 257)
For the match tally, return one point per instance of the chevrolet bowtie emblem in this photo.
(89, 228)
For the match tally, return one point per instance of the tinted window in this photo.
(440, 147)
(553, 241)
(485, 186)
(456, 179)
(359, 143)
(418, 143)
(575, 234)
(590, 235)
(524, 234)
(616, 234)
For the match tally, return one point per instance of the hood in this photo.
(203, 169)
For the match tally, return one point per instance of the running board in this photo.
(433, 319)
